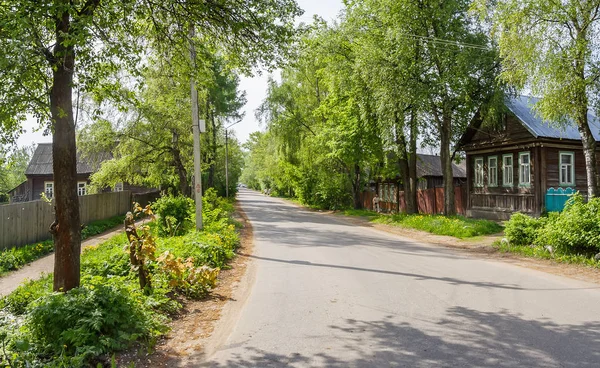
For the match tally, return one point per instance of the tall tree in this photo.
(552, 47)
(53, 46)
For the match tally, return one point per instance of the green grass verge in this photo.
(16, 257)
(456, 226)
(543, 253)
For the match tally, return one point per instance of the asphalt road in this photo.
(329, 294)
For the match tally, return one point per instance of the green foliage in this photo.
(101, 316)
(109, 311)
(175, 214)
(576, 230)
(16, 257)
(107, 259)
(456, 226)
(521, 229)
(19, 300)
(100, 226)
(12, 169)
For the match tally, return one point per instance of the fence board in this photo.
(429, 201)
(28, 222)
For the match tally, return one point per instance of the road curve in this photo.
(329, 294)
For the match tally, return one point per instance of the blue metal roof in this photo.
(522, 107)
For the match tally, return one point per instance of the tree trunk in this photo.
(446, 162)
(411, 194)
(589, 152)
(356, 187)
(184, 186)
(66, 230)
(405, 162)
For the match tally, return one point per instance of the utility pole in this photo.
(196, 128)
(227, 158)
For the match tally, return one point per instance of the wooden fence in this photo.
(28, 222)
(429, 201)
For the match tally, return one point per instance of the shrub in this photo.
(103, 315)
(521, 229)
(576, 229)
(175, 215)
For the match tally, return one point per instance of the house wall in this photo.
(552, 168)
(501, 200)
(37, 183)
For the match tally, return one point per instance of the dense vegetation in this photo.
(572, 235)
(363, 94)
(110, 311)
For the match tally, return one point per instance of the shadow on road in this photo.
(477, 339)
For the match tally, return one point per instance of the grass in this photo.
(16, 257)
(542, 253)
(456, 226)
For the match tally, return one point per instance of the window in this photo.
(81, 188)
(479, 172)
(507, 170)
(119, 187)
(524, 169)
(493, 171)
(567, 168)
(49, 189)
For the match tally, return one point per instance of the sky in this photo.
(255, 87)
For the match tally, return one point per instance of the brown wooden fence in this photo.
(430, 201)
(28, 222)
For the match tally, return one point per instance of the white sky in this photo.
(255, 87)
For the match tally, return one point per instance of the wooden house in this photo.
(40, 177)
(515, 166)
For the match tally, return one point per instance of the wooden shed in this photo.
(513, 167)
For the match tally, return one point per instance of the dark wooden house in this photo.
(513, 167)
(40, 178)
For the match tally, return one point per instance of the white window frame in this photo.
(478, 177)
(79, 188)
(561, 180)
(508, 170)
(492, 183)
(49, 194)
(119, 187)
(522, 166)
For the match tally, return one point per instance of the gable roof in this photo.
(431, 165)
(522, 107)
(41, 161)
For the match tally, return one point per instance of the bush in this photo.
(576, 229)
(521, 229)
(175, 214)
(101, 316)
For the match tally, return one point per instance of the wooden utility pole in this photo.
(196, 130)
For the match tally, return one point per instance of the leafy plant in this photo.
(521, 229)
(175, 214)
(574, 230)
(103, 315)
